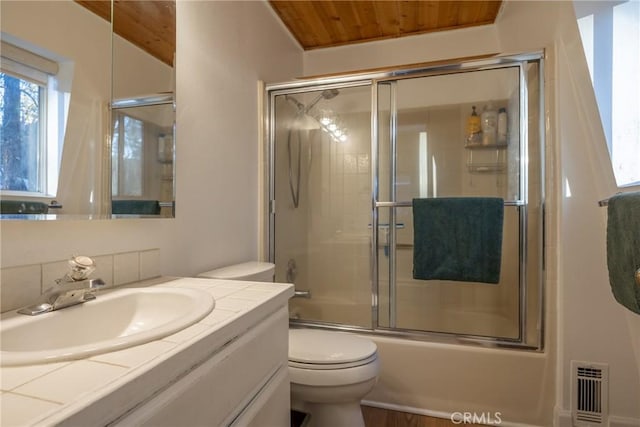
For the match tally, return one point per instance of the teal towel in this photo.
(623, 248)
(135, 207)
(458, 238)
(22, 207)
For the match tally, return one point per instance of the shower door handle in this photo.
(394, 204)
(399, 225)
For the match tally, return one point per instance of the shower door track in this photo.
(419, 335)
(409, 204)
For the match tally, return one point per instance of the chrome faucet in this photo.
(74, 288)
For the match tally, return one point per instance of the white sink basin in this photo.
(114, 320)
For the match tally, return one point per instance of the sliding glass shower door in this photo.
(425, 153)
(322, 188)
(347, 157)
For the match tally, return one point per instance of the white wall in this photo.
(407, 50)
(590, 326)
(223, 49)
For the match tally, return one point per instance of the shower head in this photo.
(330, 93)
(325, 94)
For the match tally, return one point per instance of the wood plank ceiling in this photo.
(324, 23)
(151, 25)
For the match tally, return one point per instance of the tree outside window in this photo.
(21, 141)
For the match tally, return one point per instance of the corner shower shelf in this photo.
(486, 167)
(486, 146)
(495, 166)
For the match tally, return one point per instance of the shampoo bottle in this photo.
(473, 132)
(489, 124)
(502, 126)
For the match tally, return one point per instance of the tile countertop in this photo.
(95, 390)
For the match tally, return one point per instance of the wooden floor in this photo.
(377, 417)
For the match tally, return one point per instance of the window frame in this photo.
(28, 65)
(117, 177)
(42, 139)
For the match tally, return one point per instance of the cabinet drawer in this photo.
(271, 406)
(213, 392)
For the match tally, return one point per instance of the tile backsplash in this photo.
(20, 286)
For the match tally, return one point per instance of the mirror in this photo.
(77, 37)
(143, 109)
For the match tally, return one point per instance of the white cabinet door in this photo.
(217, 391)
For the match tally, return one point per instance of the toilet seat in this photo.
(334, 377)
(326, 366)
(322, 358)
(334, 350)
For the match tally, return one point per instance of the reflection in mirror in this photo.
(142, 179)
(54, 107)
(142, 157)
(75, 99)
(143, 48)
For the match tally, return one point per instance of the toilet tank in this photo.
(253, 271)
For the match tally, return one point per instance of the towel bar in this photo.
(605, 202)
(410, 204)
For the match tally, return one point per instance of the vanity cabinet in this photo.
(231, 388)
(228, 369)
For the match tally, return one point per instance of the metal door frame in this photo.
(389, 77)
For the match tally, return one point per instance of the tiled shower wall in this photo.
(20, 286)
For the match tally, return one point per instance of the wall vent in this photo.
(590, 393)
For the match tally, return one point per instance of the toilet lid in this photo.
(323, 347)
(238, 271)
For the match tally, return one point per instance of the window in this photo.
(33, 114)
(127, 154)
(610, 32)
(23, 148)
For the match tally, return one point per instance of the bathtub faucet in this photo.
(301, 294)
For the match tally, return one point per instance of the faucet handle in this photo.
(81, 267)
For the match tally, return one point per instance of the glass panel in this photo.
(21, 146)
(323, 202)
(131, 157)
(442, 151)
(625, 108)
(142, 157)
(428, 145)
(385, 94)
(610, 33)
(535, 197)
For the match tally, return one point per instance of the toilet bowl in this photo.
(330, 372)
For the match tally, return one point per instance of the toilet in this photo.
(252, 271)
(330, 372)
